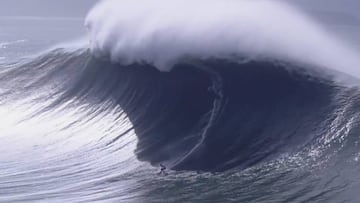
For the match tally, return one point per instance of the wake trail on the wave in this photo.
(216, 90)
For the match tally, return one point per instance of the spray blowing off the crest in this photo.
(162, 32)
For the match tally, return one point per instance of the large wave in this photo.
(207, 115)
(248, 80)
(247, 88)
(226, 86)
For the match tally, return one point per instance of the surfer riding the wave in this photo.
(162, 170)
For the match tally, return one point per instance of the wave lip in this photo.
(163, 32)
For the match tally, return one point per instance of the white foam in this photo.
(160, 32)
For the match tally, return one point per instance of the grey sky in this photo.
(78, 8)
(62, 8)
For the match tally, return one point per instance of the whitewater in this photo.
(162, 32)
(242, 101)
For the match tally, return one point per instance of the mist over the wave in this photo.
(161, 32)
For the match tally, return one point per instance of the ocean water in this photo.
(87, 113)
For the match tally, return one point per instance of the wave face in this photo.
(215, 115)
(252, 113)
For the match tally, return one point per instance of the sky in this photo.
(328, 11)
(51, 8)
(79, 8)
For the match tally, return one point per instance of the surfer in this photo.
(162, 170)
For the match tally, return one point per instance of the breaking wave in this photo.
(206, 115)
(208, 86)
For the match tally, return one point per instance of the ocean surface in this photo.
(89, 112)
